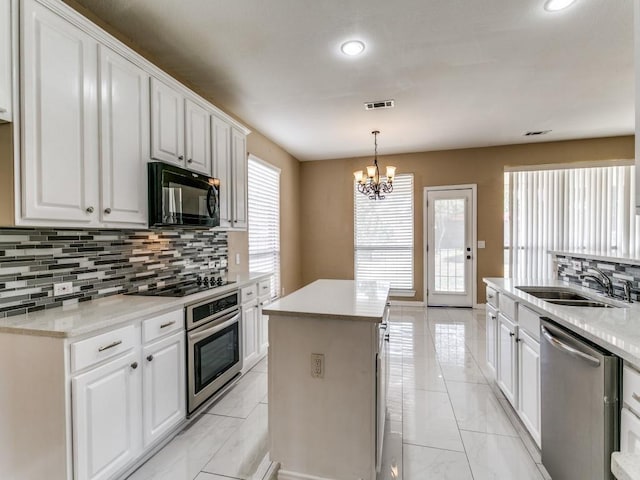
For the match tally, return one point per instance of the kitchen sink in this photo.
(564, 296)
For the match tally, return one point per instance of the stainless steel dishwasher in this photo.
(580, 385)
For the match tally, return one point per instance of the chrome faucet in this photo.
(604, 281)
(627, 285)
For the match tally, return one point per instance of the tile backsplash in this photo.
(99, 263)
(570, 268)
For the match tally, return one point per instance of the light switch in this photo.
(481, 243)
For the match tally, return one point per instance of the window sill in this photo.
(402, 293)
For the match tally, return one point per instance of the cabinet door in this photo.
(629, 432)
(106, 418)
(491, 326)
(163, 386)
(263, 326)
(197, 137)
(249, 335)
(59, 175)
(529, 383)
(5, 60)
(507, 358)
(239, 154)
(167, 124)
(221, 135)
(124, 100)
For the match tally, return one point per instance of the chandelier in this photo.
(371, 185)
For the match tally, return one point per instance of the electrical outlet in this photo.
(317, 365)
(65, 288)
(237, 259)
(223, 263)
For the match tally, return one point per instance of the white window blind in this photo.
(577, 209)
(264, 220)
(384, 235)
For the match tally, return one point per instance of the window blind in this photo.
(383, 230)
(588, 209)
(264, 220)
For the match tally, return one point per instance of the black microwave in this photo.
(179, 197)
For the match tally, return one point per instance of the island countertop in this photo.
(335, 299)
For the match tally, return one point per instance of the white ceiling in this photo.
(463, 73)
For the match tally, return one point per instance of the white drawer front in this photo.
(631, 388)
(492, 297)
(96, 349)
(629, 432)
(249, 293)
(162, 325)
(529, 321)
(264, 288)
(507, 307)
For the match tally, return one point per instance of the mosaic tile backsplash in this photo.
(99, 263)
(618, 272)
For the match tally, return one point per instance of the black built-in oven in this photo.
(214, 347)
(181, 197)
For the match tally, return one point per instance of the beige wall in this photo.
(6, 175)
(327, 198)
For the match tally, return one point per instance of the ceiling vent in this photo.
(379, 104)
(537, 132)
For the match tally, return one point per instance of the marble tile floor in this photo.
(446, 418)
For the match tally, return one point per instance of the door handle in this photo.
(594, 362)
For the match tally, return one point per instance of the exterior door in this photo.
(449, 247)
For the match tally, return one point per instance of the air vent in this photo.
(379, 104)
(537, 132)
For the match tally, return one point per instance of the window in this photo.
(264, 220)
(576, 209)
(384, 235)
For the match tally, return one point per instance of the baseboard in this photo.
(407, 303)
(288, 475)
(480, 306)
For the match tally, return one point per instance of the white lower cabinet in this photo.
(163, 386)
(263, 326)
(507, 358)
(249, 334)
(106, 413)
(492, 332)
(529, 383)
(629, 432)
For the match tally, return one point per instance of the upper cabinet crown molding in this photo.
(116, 45)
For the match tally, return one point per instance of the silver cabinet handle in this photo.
(134, 365)
(111, 345)
(190, 160)
(181, 157)
(168, 324)
(249, 294)
(489, 297)
(567, 349)
(150, 358)
(107, 211)
(492, 316)
(90, 209)
(511, 334)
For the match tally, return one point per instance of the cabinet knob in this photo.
(149, 358)
(511, 334)
(134, 365)
(89, 209)
(181, 157)
(3, 110)
(107, 211)
(190, 160)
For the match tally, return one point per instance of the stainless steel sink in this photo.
(579, 303)
(565, 296)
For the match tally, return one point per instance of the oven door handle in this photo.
(232, 318)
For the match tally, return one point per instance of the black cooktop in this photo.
(183, 289)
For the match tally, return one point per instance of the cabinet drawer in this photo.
(629, 432)
(162, 325)
(492, 297)
(96, 349)
(507, 307)
(249, 293)
(264, 287)
(529, 321)
(631, 388)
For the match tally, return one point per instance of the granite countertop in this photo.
(605, 256)
(615, 329)
(625, 466)
(109, 312)
(335, 299)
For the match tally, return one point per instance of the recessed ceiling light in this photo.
(555, 5)
(352, 47)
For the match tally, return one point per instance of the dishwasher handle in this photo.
(594, 362)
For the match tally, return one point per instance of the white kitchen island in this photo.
(326, 421)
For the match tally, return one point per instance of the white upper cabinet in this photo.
(239, 165)
(221, 136)
(124, 112)
(59, 174)
(5, 60)
(197, 137)
(167, 123)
